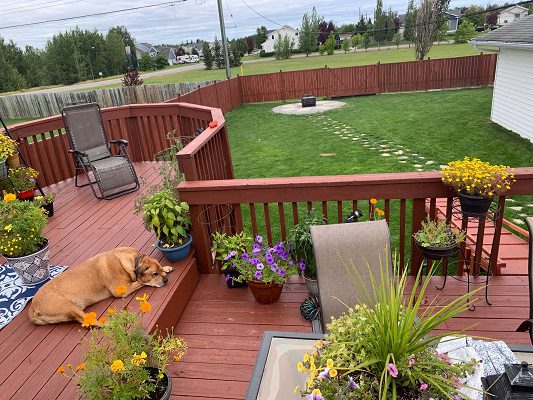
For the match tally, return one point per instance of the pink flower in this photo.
(424, 386)
(411, 362)
(393, 371)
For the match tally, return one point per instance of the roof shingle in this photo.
(520, 31)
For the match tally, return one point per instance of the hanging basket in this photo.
(474, 206)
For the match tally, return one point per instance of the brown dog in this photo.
(65, 297)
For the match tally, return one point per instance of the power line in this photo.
(31, 7)
(258, 13)
(93, 15)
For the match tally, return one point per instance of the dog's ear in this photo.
(138, 267)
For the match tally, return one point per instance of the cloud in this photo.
(175, 23)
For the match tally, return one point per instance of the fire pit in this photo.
(308, 100)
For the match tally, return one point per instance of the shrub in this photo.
(465, 32)
(330, 45)
(8, 147)
(321, 49)
(161, 61)
(301, 244)
(131, 78)
(22, 224)
(438, 234)
(263, 53)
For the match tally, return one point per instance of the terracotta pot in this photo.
(265, 293)
(26, 195)
(474, 206)
(13, 161)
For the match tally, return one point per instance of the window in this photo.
(272, 36)
(517, 16)
(504, 21)
(296, 33)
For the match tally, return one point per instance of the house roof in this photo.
(283, 27)
(166, 50)
(454, 13)
(518, 33)
(521, 9)
(143, 47)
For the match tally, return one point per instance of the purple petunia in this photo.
(424, 386)
(256, 248)
(32, 180)
(260, 266)
(269, 259)
(411, 362)
(258, 275)
(284, 255)
(274, 268)
(393, 371)
(245, 256)
(281, 272)
(352, 385)
(230, 255)
(259, 239)
(302, 266)
(324, 374)
(315, 396)
(255, 261)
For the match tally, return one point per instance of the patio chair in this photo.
(340, 247)
(527, 325)
(113, 174)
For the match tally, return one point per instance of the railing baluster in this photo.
(402, 233)
(267, 223)
(419, 214)
(253, 218)
(309, 206)
(339, 212)
(283, 229)
(295, 212)
(387, 210)
(325, 211)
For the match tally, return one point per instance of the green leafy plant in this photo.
(21, 226)
(438, 234)
(167, 217)
(229, 247)
(118, 355)
(20, 179)
(385, 351)
(267, 264)
(301, 245)
(44, 200)
(8, 147)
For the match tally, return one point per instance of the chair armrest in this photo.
(78, 153)
(120, 142)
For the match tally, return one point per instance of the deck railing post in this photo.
(419, 213)
(201, 240)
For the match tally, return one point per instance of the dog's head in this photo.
(149, 272)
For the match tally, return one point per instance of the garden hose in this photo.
(310, 308)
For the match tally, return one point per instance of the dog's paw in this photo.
(168, 269)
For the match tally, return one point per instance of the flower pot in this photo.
(177, 253)
(312, 285)
(265, 293)
(13, 161)
(49, 209)
(3, 170)
(33, 268)
(26, 194)
(437, 253)
(474, 206)
(164, 389)
(230, 274)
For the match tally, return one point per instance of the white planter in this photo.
(33, 268)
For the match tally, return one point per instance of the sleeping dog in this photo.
(65, 297)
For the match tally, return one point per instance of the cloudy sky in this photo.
(174, 23)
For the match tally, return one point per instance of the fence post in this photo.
(378, 77)
(427, 71)
(282, 86)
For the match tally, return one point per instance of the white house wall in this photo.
(268, 46)
(512, 101)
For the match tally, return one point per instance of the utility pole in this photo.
(224, 39)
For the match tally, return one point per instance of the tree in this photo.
(440, 35)
(366, 41)
(261, 35)
(380, 24)
(127, 40)
(234, 55)
(492, 18)
(465, 32)
(356, 40)
(161, 61)
(321, 49)
(428, 18)
(474, 14)
(35, 67)
(241, 46)
(361, 27)
(250, 44)
(410, 22)
(131, 78)
(324, 29)
(345, 45)
(208, 56)
(309, 33)
(194, 51)
(146, 63)
(330, 44)
(218, 57)
(115, 55)
(180, 51)
(346, 28)
(283, 47)
(390, 25)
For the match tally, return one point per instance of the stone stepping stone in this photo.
(403, 158)
(385, 154)
(328, 154)
(398, 152)
(403, 161)
(442, 166)
(516, 208)
(430, 162)
(518, 221)
(419, 170)
(354, 138)
(417, 165)
(511, 200)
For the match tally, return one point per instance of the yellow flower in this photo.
(8, 227)
(317, 391)
(111, 311)
(160, 376)
(80, 367)
(145, 307)
(121, 290)
(329, 363)
(296, 389)
(178, 357)
(10, 197)
(89, 320)
(139, 359)
(306, 357)
(333, 372)
(300, 366)
(117, 366)
(141, 299)
(60, 370)
(102, 320)
(373, 201)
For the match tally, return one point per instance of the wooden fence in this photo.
(33, 105)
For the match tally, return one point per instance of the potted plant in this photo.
(22, 181)
(122, 360)
(229, 248)
(383, 351)
(8, 149)
(169, 219)
(21, 240)
(46, 202)
(437, 239)
(265, 269)
(301, 248)
(476, 183)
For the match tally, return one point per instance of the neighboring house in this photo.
(292, 33)
(189, 47)
(512, 99)
(453, 17)
(512, 14)
(143, 48)
(169, 53)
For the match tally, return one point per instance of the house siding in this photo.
(512, 100)
(293, 34)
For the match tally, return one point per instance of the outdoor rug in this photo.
(14, 295)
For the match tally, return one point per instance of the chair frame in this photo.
(527, 325)
(82, 163)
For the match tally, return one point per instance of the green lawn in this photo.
(403, 133)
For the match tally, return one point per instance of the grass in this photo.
(438, 126)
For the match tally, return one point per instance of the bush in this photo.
(330, 45)
(301, 244)
(283, 47)
(465, 32)
(263, 53)
(146, 63)
(161, 61)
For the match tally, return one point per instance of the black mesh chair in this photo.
(527, 325)
(112, 174)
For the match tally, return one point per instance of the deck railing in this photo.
(270, 206)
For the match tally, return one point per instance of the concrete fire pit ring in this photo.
(297, 109)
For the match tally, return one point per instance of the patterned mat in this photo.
(14, 295)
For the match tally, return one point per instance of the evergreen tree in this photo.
(380, 23)
(390, 25)
(410, 22)
(146, 63)
(361, 27)
(309, 33)
(260, 37)
(283, 47)
(127, 40)
(218, 57)
(115, 55)
(131, 78)
(208, 56)
(234, 55)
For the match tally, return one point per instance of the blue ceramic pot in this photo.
(174, 254)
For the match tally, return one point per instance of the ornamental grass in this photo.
(474, 177)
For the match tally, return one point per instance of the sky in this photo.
(177, 22)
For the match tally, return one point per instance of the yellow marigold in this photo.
(306, 357)
(117, 366)
(145, 307)
(89, 320)
(10, 197)
(60, 370)
(178, 357)
(373, 201)
(121, 290)
(102, 320)
(141, 299)
(160, 376)
(329, 363)
(80, 367)
(139, 359)
(111, 311)
(300, 366)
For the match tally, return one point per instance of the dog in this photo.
(64, 298)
